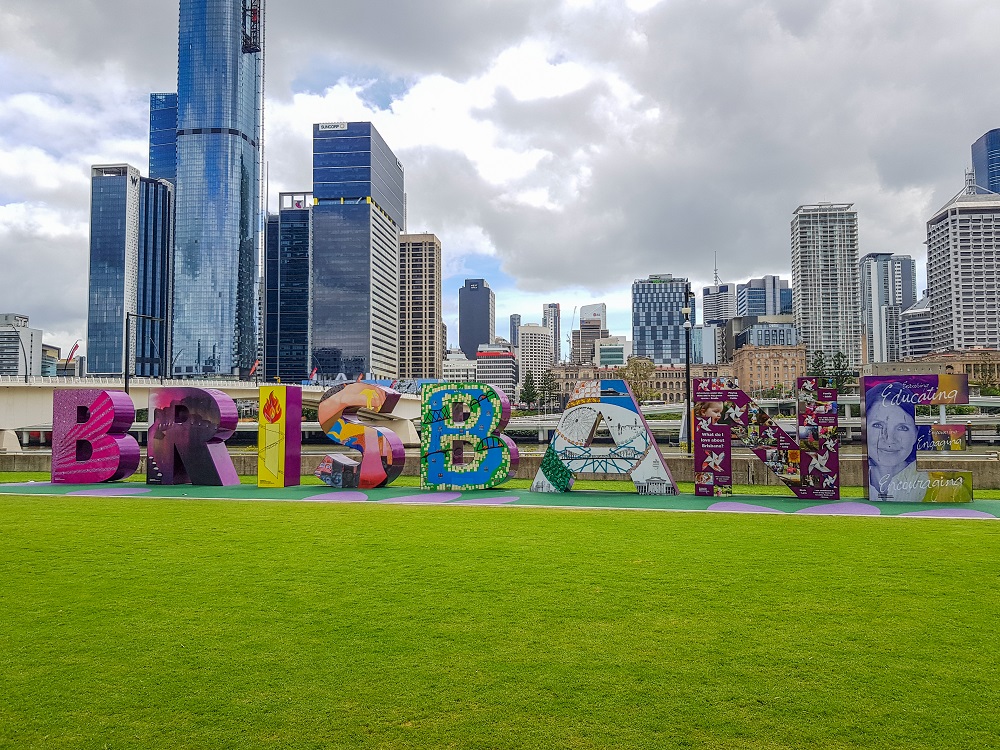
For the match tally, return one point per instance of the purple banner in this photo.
(892, 438)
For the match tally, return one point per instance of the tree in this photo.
(840, 370)
(817, 366)
(548, 388)
(638, 373)
(529, 394)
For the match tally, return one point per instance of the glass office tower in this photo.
(357, 218)
(658, 303)
(131, 236)
(163, 137)
(286, 289)
(219, 85)
(986, 162)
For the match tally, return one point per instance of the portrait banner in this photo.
(892, 438)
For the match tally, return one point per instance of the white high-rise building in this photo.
(550, 319)
(496, 366)
(963, 272)
(915, 338)
(534, 353)
(457, 368)
(888, 287)
(718, 303)
(825, 278)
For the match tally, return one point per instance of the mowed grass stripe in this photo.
(160, 623)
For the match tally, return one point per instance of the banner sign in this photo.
(892, 438)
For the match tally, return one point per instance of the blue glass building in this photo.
(131, 247)
(986, 162)
(768, 295)
(658, 318)
(219, 85)
(163, 137)
(357, 218)
(286, 289)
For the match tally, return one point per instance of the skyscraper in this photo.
(534, 355)
(287, 284)
(963, 272)
(515, 324)
(718, 303)
(768, 295)
(915, 336)
(131, 249)
(593, 326)
(219, 107)
(658, 318)
(986, 162)
(550, 319)
(421, 348)
(824, 239)
(163, 137)
(358, 190)
(888, 287)
(476, 316)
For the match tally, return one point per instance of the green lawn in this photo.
(193, 624)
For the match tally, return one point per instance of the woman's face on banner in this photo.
(891, 435)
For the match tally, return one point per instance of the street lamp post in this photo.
(126, 360)
(687, 374)
(24, 354)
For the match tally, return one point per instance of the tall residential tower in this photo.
(824, 239)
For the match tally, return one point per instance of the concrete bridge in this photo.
(27, 406)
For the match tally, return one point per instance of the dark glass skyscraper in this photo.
(286, 289)
(163, 137)
(219, 85)
(357, 219)
(986, 162)
(476, 316)
(131, 246)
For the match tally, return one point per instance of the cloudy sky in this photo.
(560, 149)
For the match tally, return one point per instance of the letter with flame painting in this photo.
(279, 436)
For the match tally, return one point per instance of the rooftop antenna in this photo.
(970, 182)
(716, 267)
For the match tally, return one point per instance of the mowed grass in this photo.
(188, 624)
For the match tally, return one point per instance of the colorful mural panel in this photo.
(382, 452)
(460, 441)
(188, 429)
(634, 454)
(892, 438)
(90, 443)
(279, 436)
(808, 465)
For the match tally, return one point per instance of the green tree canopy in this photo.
(529, 394)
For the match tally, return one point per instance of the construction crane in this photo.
(251, 26)
(569, 337)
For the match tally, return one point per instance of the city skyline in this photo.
(531, 151)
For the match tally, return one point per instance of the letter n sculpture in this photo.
(810, 466)
(460, 442)
(634, 454)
